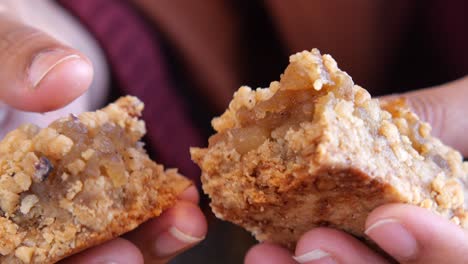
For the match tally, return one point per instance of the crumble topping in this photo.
(67, 187)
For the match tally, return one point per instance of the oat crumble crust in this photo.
(315, 150)
(81, 181)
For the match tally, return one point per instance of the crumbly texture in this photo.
(81, 181)
(315, 150)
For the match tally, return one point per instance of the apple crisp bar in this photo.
(81, 181)
(315, 150)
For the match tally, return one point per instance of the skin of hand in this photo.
(34, 71)
(408, 233)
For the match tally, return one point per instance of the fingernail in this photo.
(45, 62)
(394, 238)
(316, 256)
(172, 241)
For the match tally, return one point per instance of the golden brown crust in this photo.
(315, 150)
(81, 181)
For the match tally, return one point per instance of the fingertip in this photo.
(267, 253)
(66, 81)
(119, 251)
(320, 242)
(39, 73)
(329, 246)
(176, 230)
(187, 227)
(188, 218)
(381, 212)
(411, 233)
(400, 212)
(60, 78)
(190, 195)
(424, 222)
(185, 216)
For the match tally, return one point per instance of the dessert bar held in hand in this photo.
(82, 180)
(315, 150)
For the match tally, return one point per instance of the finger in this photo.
(444, 107)
(176, 230)
(266, 253)
(38, 73)
(190, 195)
(325, 245)
(415, 235)
(118, 251)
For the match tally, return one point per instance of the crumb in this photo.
(28, 202)
(24, 253)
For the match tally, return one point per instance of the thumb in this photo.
(37, 72)
(415, 235)
(445, 108)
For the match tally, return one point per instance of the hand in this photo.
(408, 233)
(38, 73)
(156, 241)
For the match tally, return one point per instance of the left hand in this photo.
(157, 241)
(408, 233)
